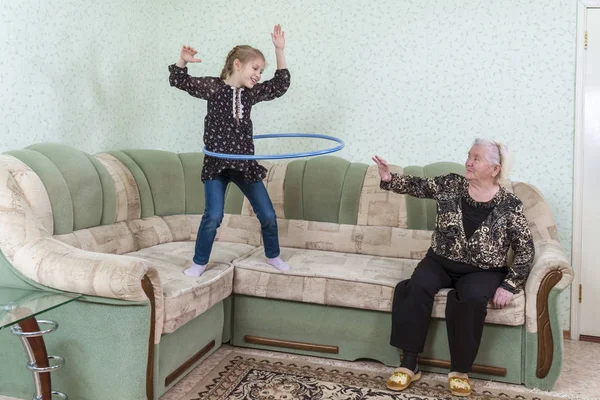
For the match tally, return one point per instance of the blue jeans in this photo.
(214, 192)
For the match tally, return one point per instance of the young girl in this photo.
(228, 129)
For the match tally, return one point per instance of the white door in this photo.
(589, 316)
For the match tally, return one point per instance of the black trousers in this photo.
(466, 307)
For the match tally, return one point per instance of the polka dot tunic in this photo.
(227, 125)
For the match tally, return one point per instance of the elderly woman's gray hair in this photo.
(497, 154)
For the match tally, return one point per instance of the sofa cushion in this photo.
(25, 210)
(126, 189)
(513, 314)
(325, 189)
(274, 183)
(354, 239)
(80, 190)
(186, 297)
(112, 239)
(379, 207)
(537, 211)
(342, 279)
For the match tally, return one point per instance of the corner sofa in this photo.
(119, 228)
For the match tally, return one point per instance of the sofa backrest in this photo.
(331, 189)
(87, 191)
(99, 202)
(168, 183)
(79, 188)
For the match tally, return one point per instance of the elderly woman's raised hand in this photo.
(384, 168)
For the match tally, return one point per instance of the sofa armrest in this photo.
(551, 269)
(550, 274)
(58, 265)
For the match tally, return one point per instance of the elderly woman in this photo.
(477, 222)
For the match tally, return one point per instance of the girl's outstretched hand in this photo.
(278, 37)
(188, 53)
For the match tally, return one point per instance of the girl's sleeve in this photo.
(202, 87)
(273, 88)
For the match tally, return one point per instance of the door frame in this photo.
(576, 250)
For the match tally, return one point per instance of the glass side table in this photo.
(18, 309)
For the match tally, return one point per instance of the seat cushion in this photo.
(187, 297)
(343, 279)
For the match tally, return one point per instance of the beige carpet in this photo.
(246, 377)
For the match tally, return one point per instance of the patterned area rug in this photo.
(242, 377)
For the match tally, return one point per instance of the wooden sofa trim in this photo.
(544, 331)
(476, 368)
(320, 348)
(149, 291)
(186, 365)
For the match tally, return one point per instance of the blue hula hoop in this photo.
(282, 156)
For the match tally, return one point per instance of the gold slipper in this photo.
(459, 385)
(401, 378)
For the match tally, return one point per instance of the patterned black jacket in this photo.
(488, 248)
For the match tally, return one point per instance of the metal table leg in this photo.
(32, 338)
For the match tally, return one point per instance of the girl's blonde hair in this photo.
(243, 53)
(497, 154)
